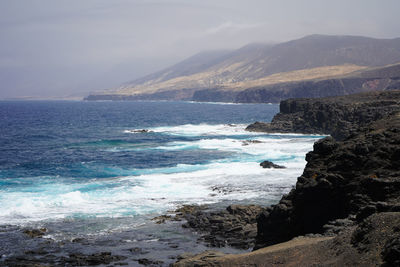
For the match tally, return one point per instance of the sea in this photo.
(94, 174)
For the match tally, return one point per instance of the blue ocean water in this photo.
(87, 168)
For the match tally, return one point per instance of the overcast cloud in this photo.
(64, 47)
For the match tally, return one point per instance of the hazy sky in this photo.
(67, 47)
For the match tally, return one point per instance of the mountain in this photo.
(224, 74)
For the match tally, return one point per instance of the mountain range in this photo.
(313, 66)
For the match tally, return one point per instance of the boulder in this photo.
(268, 165)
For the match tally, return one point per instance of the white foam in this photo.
(211, 130)
(146, 194)
(200, 130)
(272, 149)
(238, 177)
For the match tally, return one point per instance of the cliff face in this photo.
(379, 79)
(352, 178)
(338, 116)
(314, 89)
(214, 95)
(348, 194)
(359, 176)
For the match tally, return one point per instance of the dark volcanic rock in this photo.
(391, 252)
(141, 131)
(93, 259)
(236, 226)
(377, 245)
(179, 214)
(35, 232)
(268, 165)
(337, 116)
(149, 262)
(350, 189)
(358, 176)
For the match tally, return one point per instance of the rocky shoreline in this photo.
(236, 226)
(347, 201)
(338, 116)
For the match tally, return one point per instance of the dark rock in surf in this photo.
(248, 142)
(141, 131)
(268, 165)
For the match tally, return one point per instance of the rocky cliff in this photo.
(346, 181)
(319, 88)
(347, 201)
(337, 116)
(311, 89)
(357, 176)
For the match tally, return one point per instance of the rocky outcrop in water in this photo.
(268, 165)
(337, 116)
(236, 226)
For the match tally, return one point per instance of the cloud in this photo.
(230, 26)
(48, 43)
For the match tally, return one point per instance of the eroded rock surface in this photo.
(236, 226)
(338, 116)
(355, 177)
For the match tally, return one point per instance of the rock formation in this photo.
(347, 201)
(337, 116)
(342, 179)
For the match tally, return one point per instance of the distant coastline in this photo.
(312, 66)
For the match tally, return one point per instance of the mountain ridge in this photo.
(243, 68)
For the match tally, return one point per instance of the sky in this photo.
(68, 48)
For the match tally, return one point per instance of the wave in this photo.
(196, 130)
(142, 192)
(199, 130)
(151, 192)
